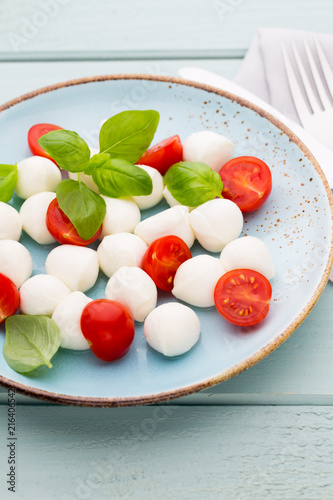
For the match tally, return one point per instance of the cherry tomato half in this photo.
(108, 327)
(247, 181)
(242, 296)
(62, 228)
(9, 298)
(163, 154)
(162, 259)
(35, 132)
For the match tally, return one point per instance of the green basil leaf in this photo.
(117, 178)
(85, 208)
(96, 161)
(8, 180)
(128, 135)
(30, 342)
(67, 149)
(193, 183)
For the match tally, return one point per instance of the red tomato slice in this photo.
(109, 328)
(163, 154)
(247, 181)
(242, 296)
(9, 298)
(62, 228)
(35, 132)
(162, 259)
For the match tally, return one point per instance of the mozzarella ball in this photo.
(86, 179)
(248, 252)
(171, 201)
(10, 223)
(41, 294)
(67, 315)
(133, 288)
(76, 266)
(35, 175)
(33, 215)
(15, 261)
(172, 329)
(156, 195)
(216, 223)
(122, 215)
(208, 147)
(195, 280)
(174, 220)
(118, 250)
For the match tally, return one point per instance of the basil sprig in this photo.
(31, 341)
(123, 139)
(8, 180)
(84, 208)
(193, 183)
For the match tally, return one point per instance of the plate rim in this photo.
(247, 362)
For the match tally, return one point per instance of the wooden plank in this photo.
(170, 452)
(19, 78)
(164, 28)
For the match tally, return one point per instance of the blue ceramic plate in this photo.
(295, 223)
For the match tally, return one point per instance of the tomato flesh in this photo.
(109, 328)
(34, 133)
(162, 259)
(163, 154)
(9, 298)
(247, 181)
(62, 228)
(242, 297)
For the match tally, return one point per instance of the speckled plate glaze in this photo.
(295, 223)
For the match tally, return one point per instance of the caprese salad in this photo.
(101, 200)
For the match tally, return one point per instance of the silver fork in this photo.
(316, 115)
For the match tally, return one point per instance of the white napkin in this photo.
(262, 80)
(262, 71)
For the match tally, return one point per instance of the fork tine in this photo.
(305, 80)
(295, 90)
(317, 78)
(327, 70)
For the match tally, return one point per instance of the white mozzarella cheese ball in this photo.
(171, 201)
(196, 278)
(208, 147)
(67, 315)
(86, 179)
(15, 261)
(156, 195)
(174, 220)
(133, 288)
(33, 215)
(41, 294)
(122, 215)
(10, 223)
(35, 175)
(216, 223)
(76, 266)
(248, 252)
(118, 250)
(172, 329)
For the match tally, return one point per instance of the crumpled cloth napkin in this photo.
(262, 71)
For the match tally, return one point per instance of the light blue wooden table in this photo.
(265, 434)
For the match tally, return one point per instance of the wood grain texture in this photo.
(130, 29)
(232, 453)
